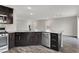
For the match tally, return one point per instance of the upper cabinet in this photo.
(6, 15)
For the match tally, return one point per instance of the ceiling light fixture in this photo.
(29, 8)
(31, 13)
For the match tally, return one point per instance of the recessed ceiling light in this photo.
(29, 8)
(31, 13)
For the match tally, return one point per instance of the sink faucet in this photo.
(29, 28)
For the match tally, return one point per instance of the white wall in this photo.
(22, 19)
(12, 27)
(36, 25)
(66, 25)
(41, 25)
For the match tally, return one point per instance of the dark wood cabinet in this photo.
(33, 38)
(8, 12)
(27, 38)
(11, 40)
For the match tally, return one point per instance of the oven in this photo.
(3, 40)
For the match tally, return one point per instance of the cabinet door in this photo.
(21, 39)
(32, 38)
(54, 41)
(7, 11)
(11, 40)
(17, 39)
(28, 38)
(35, 38)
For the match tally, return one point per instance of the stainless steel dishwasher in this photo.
(46, 39)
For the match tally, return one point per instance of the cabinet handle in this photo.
(19, 37)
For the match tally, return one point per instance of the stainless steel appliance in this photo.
(3, 18)
(3, 40)
(46, 39)
(52, 40)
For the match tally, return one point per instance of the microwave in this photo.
(3, 18)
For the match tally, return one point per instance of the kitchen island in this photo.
(47, 39)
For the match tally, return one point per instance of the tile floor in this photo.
(31, 49)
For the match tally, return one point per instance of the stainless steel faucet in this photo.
(29, 28)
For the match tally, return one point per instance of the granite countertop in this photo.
(35, 31)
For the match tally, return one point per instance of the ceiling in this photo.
(45, 11)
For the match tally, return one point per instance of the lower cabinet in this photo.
(50, 40)
(11, 40)
(27, 38)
